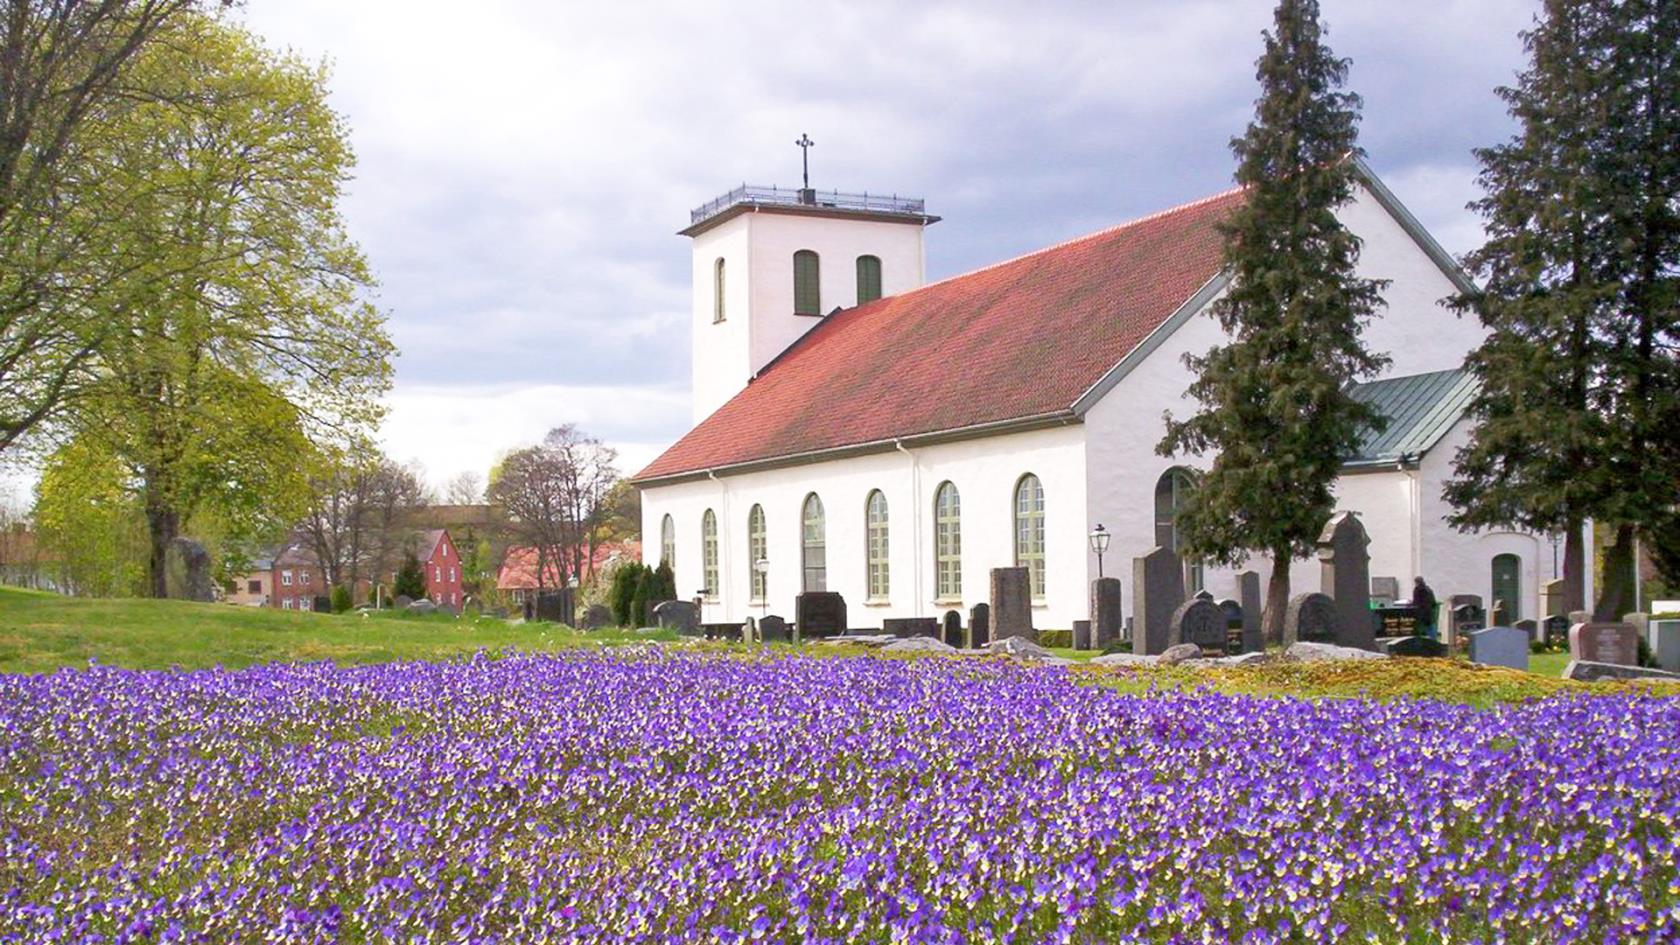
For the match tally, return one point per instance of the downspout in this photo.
(915, 526)
(1415, 502)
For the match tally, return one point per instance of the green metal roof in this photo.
(1420, 408)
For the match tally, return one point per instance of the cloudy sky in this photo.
(525, 164)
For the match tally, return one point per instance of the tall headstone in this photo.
(1011, 602)
(1604, 643)
(819, 614)
(979, 626)
(1107, 620)
(1157, 590)
(1198, 622)
(773, 629)
(1248, 594)
(1500, 646)
(1551, 598)
(1344, 558)
(1082, 634)
(1312, 618)
(952, 629)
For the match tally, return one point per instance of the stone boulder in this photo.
(1124, 659)
(918, 645)
(1179, 653)
(422, 606)
(1304, 652)
(1020, 648)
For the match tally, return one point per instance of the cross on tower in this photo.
(805, 144)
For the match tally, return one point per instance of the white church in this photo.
(861, 430)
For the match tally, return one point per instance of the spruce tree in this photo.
(1275, 407)
(411, 580)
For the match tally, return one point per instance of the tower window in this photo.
(717, 291)
(868, 279)
(807, 297)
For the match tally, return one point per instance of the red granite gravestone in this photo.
(1604, 643)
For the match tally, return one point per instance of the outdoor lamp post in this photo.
(1099, 544)
(762, 566)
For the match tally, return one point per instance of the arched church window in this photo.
(756, 551)
(717, 291)
(947, 543)
(1172, 491)
(815, 545)
(868, 279)
(807, 296)
(668, 542)
(1029, 532)
(875, 546)
(709, 552)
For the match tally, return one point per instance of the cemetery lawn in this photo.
(40, 632)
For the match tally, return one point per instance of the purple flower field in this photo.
(619, 798)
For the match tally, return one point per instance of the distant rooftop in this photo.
(753, 196)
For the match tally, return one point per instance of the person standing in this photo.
(1425, 606)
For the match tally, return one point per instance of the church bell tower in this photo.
(770, 263)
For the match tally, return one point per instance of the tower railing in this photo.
(827, 199)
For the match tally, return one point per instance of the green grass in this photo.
(40, 632)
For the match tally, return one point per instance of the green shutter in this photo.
(868, 279)
(807, 299)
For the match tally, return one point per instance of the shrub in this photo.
(625, 580)
(1061, 638)
(411, 581)
(645, 591)
(340, 599)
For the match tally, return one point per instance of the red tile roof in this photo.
(519, 568)
(1019, 339)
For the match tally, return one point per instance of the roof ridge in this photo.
(1105, 231)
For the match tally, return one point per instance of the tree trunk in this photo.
(1574, 568)
(162, 525)
(1615, 598)
(1277, 598)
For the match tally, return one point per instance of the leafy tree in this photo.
(340, 599)
(552, 495)
(665, 582)
(1577, 416)
(64, 67)
(411, 580)
(356, 513)
(245, 338)
(646, 591)
(465, 489)
(89, 520)
(1274, 401)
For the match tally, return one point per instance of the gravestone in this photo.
(1580, 616)
(1665, 644)
(749, 631)
(773, 629)
(650, 612)
(1500, 646)
(979, 626)
(1530, 627)
(1344, 559)
(322, 604)
(1011, 602)
(953, 629)
(1233, 625)
(1385, 590)
(1198, 622)
(1248, 594)
(403, 600)
(1311, 618)
(1465, 615)
(597, 616)
(679, 615)
(187, 572)
(556, 606)
(1551, 598)
(1414, 646)
(1106, 617)
(1082, 634)
(1205, 594)
(1556, 631)
(1604, 643)
(1157, 590)
(818, 614)
(906, 627)
(1501, 615)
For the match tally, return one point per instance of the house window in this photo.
(303, 576)
(1172, 490)
(717, 291)
(668, 541)
(437, 573)
(1029, 532)
(451, 575)
(868, 278)
(875, 546)
(1507, 585)
(287, 604)
(285, 579)
(807, 296)
(757, 548)
(709, 552)
(253, 587)
(815, 555)
(947, 543)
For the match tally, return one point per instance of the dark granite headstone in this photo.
(597, 616)
(1157, 590)
(773, 629)
(1501, 614)
(1199, 622)
(819, 614)
(1604, 643)
(1233, 625)
(650, 612)
(952, 629)
(679, 615)
(979, 626)
(1248, 594)
(1556, 631)
(1467, 616)
(1344, 559)
(1500, 646)
(1311, 618)
(1107, 620)
(1082, 634)
(1415, 646)
(1530, 627)
(911, 626)
(1011, 602)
